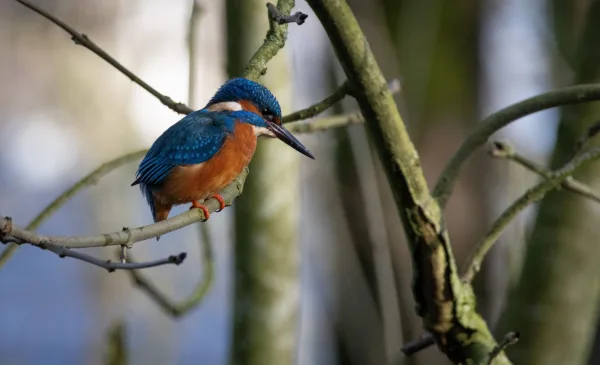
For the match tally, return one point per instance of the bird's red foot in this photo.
(195, 204)
(221, 201)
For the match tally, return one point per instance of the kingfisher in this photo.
(207, 149)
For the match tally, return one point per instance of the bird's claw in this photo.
(221, 201)
(195, 204)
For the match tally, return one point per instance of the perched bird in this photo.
(206, 150)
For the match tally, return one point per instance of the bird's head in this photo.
(254, 104)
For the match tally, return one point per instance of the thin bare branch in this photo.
(531, 196)
(109, 265)
(83, 40)
(504, 150)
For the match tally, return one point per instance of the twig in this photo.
(68, 194)
(274, 14)
(296, 123)
(83, 40)
(179, 309)
(339, 94)
(323, 124)
(109, 265)
(531, 196)
(488, 126)
(132, 235)
(510, 339)
(319, 107)
(419, 344)
(504, 150)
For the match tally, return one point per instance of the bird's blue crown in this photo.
(240, 88)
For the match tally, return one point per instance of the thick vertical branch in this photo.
(446, 305)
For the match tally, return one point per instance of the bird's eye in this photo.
(266, 113)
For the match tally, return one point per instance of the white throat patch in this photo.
(262, 131)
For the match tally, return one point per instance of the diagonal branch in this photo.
(531, 196)
(498, 120)
(83, 40)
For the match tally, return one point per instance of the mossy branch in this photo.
(445, 304)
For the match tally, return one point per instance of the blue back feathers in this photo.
(240, 88)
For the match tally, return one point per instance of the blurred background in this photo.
(310, 264)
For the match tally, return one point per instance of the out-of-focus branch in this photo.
(504, 150)
(276, 16)
(498, 120)
(531, 196)
(68, 194)
(83, 40)
(179, 309)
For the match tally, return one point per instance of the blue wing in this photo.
(194, 139)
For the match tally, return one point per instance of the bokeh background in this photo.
(323, 236)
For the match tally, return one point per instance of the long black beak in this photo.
(286, 137)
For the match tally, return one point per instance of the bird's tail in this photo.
(160, 212)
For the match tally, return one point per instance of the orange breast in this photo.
(198, 182)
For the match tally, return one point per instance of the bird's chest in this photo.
(197, 182)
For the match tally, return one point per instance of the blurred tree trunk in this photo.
(266, 217)
(555, 303)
